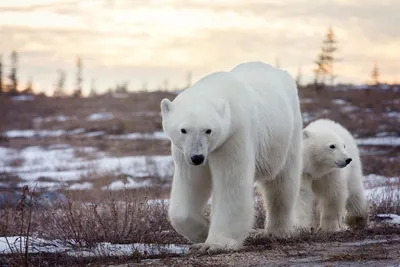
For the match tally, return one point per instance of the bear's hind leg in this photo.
(357, 210)
(281, 195)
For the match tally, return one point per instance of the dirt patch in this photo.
(378, 246)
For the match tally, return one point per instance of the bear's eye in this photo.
(208, 131)
(332, 146)
(183, 131)
(344, 146)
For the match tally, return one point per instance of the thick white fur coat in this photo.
(331, 190)
(254, 114)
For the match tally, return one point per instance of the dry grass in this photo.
(84, 224)
(127, 218)
(368, 114)
(77, 109)
(386, 201)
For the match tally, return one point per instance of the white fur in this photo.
(254, 114)
(329, 185)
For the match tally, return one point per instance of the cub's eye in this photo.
(332, 146)
(208, 131)
(344, 146)
(183, 131)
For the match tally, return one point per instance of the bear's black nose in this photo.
(197, 159)
(348, 160)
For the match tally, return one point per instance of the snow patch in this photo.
(339, 101)
(94, 134)
(81, 186)
(306, 100)
(23, 98)
(374, 180)
(379, 141)
(129, 184)
(135, 136)
(61, 163)
(33, 133)
(37, 245)
(390, 218)
(100, 116)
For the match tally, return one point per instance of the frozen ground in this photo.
(62, 164)
(65, 164)
(37, 245)
(54, 166)
(30, 133)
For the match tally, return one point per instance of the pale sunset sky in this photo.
(150, 41)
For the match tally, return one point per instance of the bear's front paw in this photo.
(200, 249)
(329, 228)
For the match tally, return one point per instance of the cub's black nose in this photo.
(348, 160)
(197, 159)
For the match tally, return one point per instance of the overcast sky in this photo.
(150, 41)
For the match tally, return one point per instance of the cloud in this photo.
(174, 36)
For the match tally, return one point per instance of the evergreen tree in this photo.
(145, 86)
(375, 75)
(29, 87)
(166, 85)
(277, 63)
(78, 90)
(93, 91)
(13, 73)
(59, 92)
(189, 79)
(299, 76)
(325, 61)
(1, 74)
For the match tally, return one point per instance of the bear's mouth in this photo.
(341, 164)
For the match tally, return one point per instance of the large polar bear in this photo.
(227, 130)
(332, 179)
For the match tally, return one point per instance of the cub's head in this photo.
(196, 128)
(324, 150)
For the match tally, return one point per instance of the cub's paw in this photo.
(357, 222)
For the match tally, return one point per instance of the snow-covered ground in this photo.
(63, 163)
(380, 141)
(33, 133)
(30, 133)
(50, 167)
(23, 98)
(160, 135)
(36, 245)
(100, 116)
(136, 136)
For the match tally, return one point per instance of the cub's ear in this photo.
(166, 106)
(306, 134)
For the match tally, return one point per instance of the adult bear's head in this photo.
(196, 126)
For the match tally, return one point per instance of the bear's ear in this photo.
(306, 134)
(224, 109)
(166, 106)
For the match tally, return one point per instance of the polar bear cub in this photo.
(332, 178)
(227, 130)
